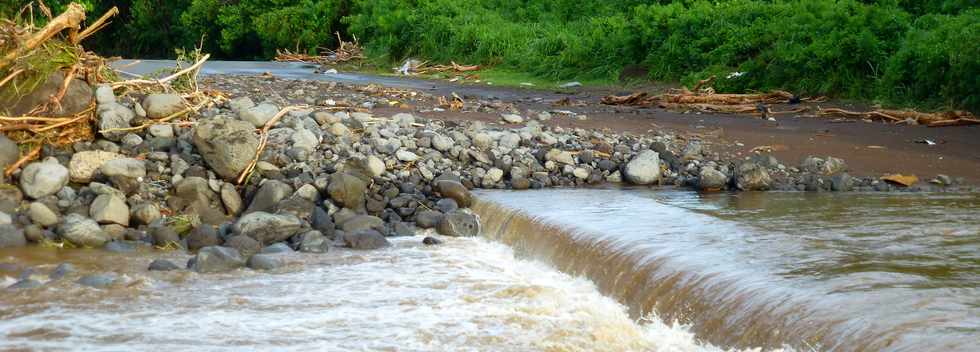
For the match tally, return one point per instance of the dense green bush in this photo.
(920, 52)
(938, 63)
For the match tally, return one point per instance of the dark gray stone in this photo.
(98, 280)
(268, 228)
(313, 242)
(216, 259)
(276, 248)
(456, 191)
(62, 270)
(362, 222)
(120, 247)
(447, 205)
(322, 222)
(347, 190)
(245, 245)
(265, 262)
(162, 265)
(459, 224)
(365, 239)
(271, 193)
(428, 219)
(228, 146)
(202, 236)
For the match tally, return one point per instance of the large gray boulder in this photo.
(264, 261)
(202, 236)
(313, 242)
(365, 239)
(41, 179)
(109, 209)
(114, 116)
(77, 98)
(348, 190)
(753, 177)
(459, 224)
(162, 105)
(456, 191)
(269, 195)
(216, 259)
(644, 169)
(362, 222)
(42, 215)
(268, 228)
(259, 115)
(83, 165)
(712, 180)
(228, 146)
(83, 231)
(125, 173)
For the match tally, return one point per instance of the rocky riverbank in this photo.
(339, 171)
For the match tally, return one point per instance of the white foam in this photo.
(466, 295)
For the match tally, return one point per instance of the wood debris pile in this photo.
(937, 119)
(703, 98)
(416, 67)
(47, 78)
(345, 52)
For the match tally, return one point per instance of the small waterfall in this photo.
(723, 309)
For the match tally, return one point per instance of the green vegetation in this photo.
(924, 53)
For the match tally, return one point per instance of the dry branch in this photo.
(72, 18)
(23, 160)
(263, 140)
(163, 81)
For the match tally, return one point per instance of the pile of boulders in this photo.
(330, 179)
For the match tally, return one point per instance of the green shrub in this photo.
(937, 63)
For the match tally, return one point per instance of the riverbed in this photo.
(557, 270)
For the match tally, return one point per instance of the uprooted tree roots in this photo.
(46, 78)
(703, 98)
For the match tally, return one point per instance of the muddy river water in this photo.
(558, 270)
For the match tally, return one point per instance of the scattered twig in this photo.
(23, 160)
(263, 140)
(97, 25)
(163, 81)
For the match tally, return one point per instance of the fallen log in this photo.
(937, 119)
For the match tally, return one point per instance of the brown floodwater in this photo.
(469, 294)
(843, 272)
(557, 270)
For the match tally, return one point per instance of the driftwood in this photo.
(937, 119)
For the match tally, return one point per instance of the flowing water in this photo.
(638, 271)
(851, 272)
